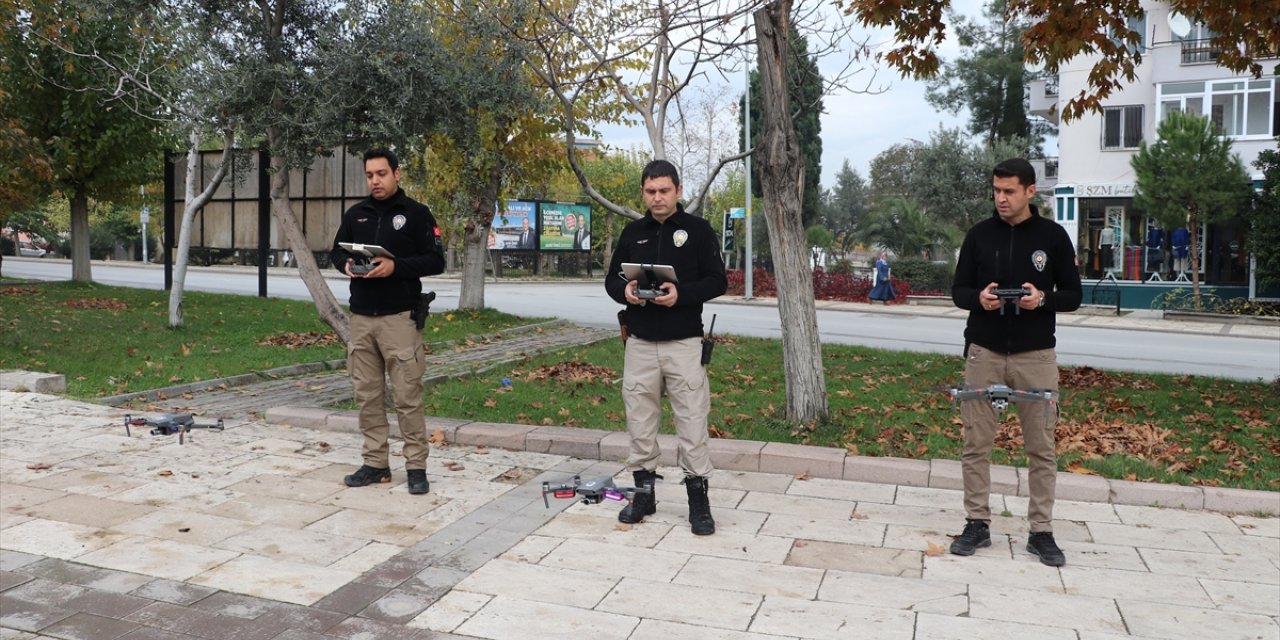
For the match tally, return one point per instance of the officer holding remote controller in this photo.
(662, 323)
(386, 312)
(1016, 270)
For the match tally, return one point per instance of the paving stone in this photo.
(716, 607)
(10, 579)
(14, 560)
(735, 455)
(888, 592)
(837, 489)
(236, 605)
(616, 560)
(1138, 585)
(1212, 566)
(664, 630)
(1127, 492)
(85, 626)
(796, 459)
(999, 572)
(529, 620)
(305, 546)
(450, 611)
(1179, 539)
(23, 615)
(791, 581)
(366, 629)
(889, 470)
(398, 606)
(1160, 620)
(939, 627)
(1241, 500)
(162, 559)
(480, 549)
(853, 557)
(58, 539)
(569, 441)
(173, 592)
(924, 517)
(728, 545)
(1245, 545)
(106, 603)
(305, 618)
(1031, 606)
(539, 583)
(148, 633)
(819, 508)
(844, 530)
(87, 510)
(1068, 510)
(818, 619)
(350, 598)
(275, 579)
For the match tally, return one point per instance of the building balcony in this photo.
(1044, 98)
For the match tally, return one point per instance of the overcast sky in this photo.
(857, 127)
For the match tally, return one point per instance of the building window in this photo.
(1122, 127)
(1239, 108)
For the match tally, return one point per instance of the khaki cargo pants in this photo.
(384, 347)
(674, 367)
(1027, 371)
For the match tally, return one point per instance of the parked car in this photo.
(31, 251)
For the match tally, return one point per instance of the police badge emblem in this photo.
(680, 237)
(1039, 259)
(398, 222)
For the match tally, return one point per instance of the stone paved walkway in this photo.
(249, 533)
(318, 385)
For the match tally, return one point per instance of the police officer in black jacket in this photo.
(1011, 341)
(385, 339)
(664, 347)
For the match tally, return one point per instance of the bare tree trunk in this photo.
(192, 204)
(476, 233)
(782, 180)
(80, 268)
(326, 304)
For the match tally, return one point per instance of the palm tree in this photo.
(903, 227)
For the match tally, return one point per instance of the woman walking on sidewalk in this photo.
(883, 288)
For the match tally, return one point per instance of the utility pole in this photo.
(746, 129)
(145, 218)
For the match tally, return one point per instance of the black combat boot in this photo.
(700, 520)
(645, 503)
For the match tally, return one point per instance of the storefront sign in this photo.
(1106, 191)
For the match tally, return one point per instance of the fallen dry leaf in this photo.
(481, 449)
(803, 475)
(165, 473)
(858, 516)
(40, 466)
(800, 544)
(1076, 468)
(622, 526)
(935, 549)
(437, 437)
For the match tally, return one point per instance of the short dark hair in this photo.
(660, 169)
(1016, 168)
(379, 152)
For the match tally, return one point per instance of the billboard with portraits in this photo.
(564, 226)
(514, 227)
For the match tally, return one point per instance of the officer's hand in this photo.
(347, 269)
(630, 293)
(1031, 300)
(382, 267)
(988, 298)
(669, 298)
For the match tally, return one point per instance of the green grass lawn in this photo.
(1177, 429)
(112, 340)
(1174, 429)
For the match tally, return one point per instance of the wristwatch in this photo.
(1041, 303)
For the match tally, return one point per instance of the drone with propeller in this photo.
(170, 423)
(593, 491)
(1000, 395)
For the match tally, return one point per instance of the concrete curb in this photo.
(794, 459)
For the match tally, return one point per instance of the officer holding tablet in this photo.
(386, 291)
(663, 319)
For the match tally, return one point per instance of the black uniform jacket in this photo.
(1036, 250)
(690, 245)
(407, 229)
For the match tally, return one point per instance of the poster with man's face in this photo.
(565, 227)
(513, 227)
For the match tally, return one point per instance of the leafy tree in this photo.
(806, 90)
(1189, 176)
(820, 241)
(903, 227)
(1059, 31)
(95, 146)
(846, 204)
(989, 79)
(1264, 236)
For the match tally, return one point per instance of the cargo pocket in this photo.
(407, 366)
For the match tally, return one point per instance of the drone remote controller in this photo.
(1011, 295)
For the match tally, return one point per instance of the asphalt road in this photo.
(1149, 346)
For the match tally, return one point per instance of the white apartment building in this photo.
(1093, 199)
